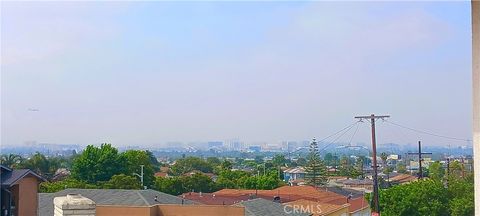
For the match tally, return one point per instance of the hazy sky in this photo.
(145, 73)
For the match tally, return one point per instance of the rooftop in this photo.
(288, 193)
(11, 176)
(358, 204)
(261, 207)
(295, 170)
(325, 208)
(215, 199)
(346, 192)
(111, 197)
(402, 178)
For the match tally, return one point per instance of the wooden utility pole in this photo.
(448, 170)
(448, 167)
(372, 118)
(420, 153)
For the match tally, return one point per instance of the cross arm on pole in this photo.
(372, 117)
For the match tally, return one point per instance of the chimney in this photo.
(73, 205)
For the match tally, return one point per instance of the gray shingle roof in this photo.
(109, 197)
(263, 207)
(10, 176)
(346, 192)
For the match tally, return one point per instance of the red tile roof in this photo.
(288, 193)
(161, 174)
(403, 178)
(326, 208)
(293, 193)
(358, 204)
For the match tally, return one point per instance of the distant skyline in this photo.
(142, 73)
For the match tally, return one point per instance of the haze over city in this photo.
(93, 72)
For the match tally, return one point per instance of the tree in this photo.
(226, 183)
(461, 196)
(153, 160)
(41, 165)
(455, 169)
(387, 171)
(436, 171)
(11, 160)
(358, 171)
(401, 168)
(424, 197)
(199, 183)
(384, 157)
(429, 197)
(98, 164)
(185, 165)
(134, 159)
(328, 158)
(213, 161)
(226, 165)
(259, 159)
(316, 171)
(268, 182)
(249, 182)
(122, 181)
(263, 182)
(348, 169)
(301, 161)
(171, 185)
(462, 207)
(52, 187)
(279, 160)
(231, 179)
(265, 167)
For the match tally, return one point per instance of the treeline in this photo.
(39, 163)
(106, 167)
(178, 182)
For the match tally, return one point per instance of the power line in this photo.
(335, 140)
(425, 132)
(345, 128)
(353, 135)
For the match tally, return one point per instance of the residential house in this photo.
(193, 172)
(161, 174)
(357, 205)
(295, 174)
(19, 189)
(358, 184)
(400, 178)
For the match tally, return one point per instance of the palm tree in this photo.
(384, 157)
(10, 160)
(386, 169)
